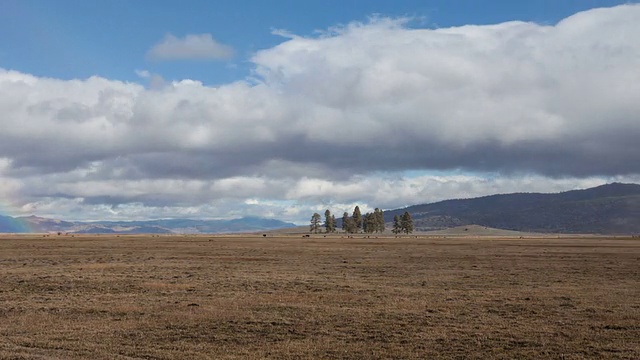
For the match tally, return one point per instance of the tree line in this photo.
(368, 223)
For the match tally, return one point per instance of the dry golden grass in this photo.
(249, 297)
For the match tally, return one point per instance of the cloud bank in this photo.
(336, 119)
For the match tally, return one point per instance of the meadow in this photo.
(288, 297)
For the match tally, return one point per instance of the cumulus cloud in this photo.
(191, 47)
(338, 119)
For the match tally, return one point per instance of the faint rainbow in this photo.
(10, 224)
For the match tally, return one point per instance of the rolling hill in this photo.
(607, 209)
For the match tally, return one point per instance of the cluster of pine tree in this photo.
(329, 223)
(403, 224)
(373, 222)
(368, 223)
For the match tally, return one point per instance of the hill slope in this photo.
(606, 209)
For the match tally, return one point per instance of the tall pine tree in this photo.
(315, 223)
(357, 218)
(379, 220)
(348, 225)
(345, 221)
(406, 222)
(397, 226)
(369, 224)
(329, 222)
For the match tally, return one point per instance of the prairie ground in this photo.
(250, 297)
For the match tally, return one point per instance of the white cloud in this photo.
(191, 47)
(145, 74)
(336, 120)
(286, 199)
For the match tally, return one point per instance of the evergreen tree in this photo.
(351, 226)
(357, 218)
(315, 223)
(329, 222)
(369, 224)
(333, 222)
(365, 225)
(345, 221)
(379, 220)
(348, 224)
(406, 223)
(397, 227)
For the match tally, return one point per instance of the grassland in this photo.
(249, 297)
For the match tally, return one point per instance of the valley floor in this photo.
(254, 297)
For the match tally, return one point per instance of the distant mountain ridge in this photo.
(607, 209)
(34, 224)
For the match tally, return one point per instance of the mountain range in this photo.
(34, 224)
(607, 209)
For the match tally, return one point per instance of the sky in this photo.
(130, 110)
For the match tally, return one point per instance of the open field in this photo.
(249, 297)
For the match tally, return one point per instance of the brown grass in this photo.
(249, 297)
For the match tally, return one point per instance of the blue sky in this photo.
(124, 109)
(77, 39)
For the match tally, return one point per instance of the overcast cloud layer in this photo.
(336, 120)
